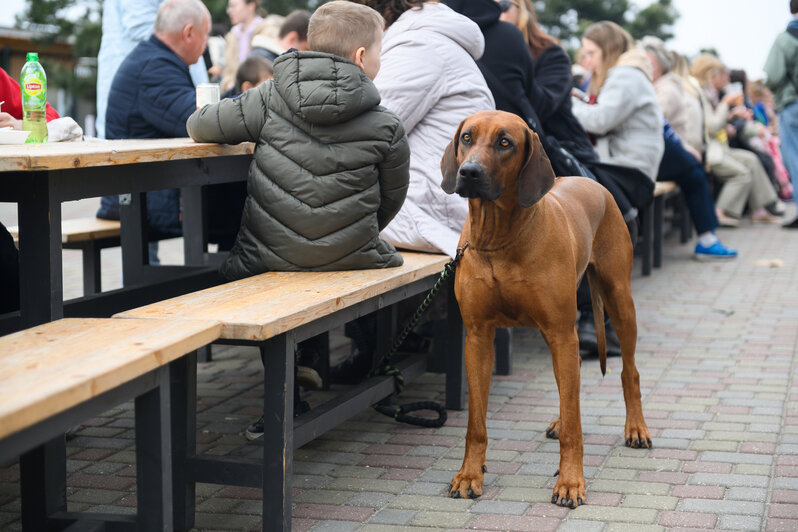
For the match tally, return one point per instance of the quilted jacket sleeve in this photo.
(394, 177)
(232, 121)
(167, 96)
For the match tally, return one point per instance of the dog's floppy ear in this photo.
(536, 177)
(449, 166)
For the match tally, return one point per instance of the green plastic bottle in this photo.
(34, 99)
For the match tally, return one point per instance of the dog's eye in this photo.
(504, 143)
(466, 137)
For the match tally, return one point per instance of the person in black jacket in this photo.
(152, 96)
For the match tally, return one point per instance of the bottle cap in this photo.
(33, 56)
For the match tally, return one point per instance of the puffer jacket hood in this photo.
(322, 88)
(440, 19)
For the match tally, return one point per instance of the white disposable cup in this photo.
(207, 94)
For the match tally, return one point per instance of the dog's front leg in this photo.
(479, 367)
(570, 487)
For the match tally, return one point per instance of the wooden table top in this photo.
(263, 306)
(53, 367)
(81, 154)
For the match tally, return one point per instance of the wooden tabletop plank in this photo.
(53, 367)
(79, 154)
(260, 307)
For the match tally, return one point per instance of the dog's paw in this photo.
(636, 436)
(569, 493)
(467, 484)
(553, 431)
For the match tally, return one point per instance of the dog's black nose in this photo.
(471, 171)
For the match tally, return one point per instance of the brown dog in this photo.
(531, 238)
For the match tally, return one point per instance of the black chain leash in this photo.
(384, 366)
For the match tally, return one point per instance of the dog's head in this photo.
(493, 152)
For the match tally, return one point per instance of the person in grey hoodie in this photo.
(331, 166)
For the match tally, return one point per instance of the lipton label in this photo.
(33, 85)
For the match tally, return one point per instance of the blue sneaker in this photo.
(716, 251)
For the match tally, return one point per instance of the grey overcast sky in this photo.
(741, 30)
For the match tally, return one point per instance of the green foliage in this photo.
(656, 19)
(67, 20)
(567, 19)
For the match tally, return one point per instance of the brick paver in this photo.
(717, 359)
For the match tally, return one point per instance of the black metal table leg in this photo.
(455, 370)
(278, 429)
(659, 214)
(40, 253)
(647, 238)
(503, 344)
(43, 483)
(135, 253)
(92, 278)
(195, 238)
(153, 456)
(183, 391)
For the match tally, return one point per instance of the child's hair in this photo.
(341, 27)
(253, 69)
(297, 21)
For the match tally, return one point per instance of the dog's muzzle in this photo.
(473, 183)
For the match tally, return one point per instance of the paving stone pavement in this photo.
(717, 360)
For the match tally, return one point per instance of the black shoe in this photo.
(588, 344)
(255, 430)
(353, 368)
(791, 225)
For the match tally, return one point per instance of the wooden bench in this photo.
(652, 220)
(90, 235)
(59, 374)
(274, 311)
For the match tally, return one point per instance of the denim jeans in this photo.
(679, 166)
(788, 132)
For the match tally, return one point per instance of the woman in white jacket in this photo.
(430, 79)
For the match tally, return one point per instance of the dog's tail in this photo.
(598, 318)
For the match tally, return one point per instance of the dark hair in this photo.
(793, 6)
(739, 76)
(253, 69)
(391, 9)
(297, 21)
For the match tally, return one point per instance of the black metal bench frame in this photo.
(42, 451)
(282, 432)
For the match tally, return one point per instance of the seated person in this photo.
(293, 36)
(152, 95)
(682, 163)
(11, 116)
(11, 109)
(331, 166)
(251, 73)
